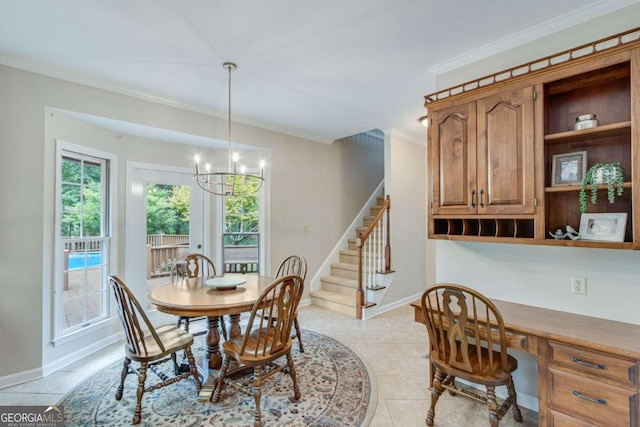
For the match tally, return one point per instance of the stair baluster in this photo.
(374, 255)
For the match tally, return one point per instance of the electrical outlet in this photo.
(579, 285)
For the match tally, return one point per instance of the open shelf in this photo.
(604, 131)
(605, 92)
(512, 228)
(576, 188)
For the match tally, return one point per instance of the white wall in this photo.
(305, 188)
(541, 276)
(412, 257)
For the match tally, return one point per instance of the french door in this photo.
(158, 197)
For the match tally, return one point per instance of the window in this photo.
(82, 241)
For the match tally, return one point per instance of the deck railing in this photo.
(242, 258)
(160, 259)
(374, 255)
(167, 239)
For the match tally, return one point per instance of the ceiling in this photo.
(322, 70)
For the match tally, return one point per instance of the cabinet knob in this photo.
(473, 198)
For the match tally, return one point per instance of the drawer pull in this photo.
(590, 399)
(590, 365)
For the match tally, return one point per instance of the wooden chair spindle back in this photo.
(275, 309)
(130, 311)
(192, 265)
(293, 265)
(459, 320)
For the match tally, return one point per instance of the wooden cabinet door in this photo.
(452, 136)
(505, 147)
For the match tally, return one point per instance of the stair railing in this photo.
(374, 255)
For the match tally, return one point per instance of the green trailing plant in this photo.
(611, 174)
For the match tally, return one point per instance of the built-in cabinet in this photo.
(492, 148)
(485, 156)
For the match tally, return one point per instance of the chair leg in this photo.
(451, 380)
(123, 376)
(142, 377)
(186, 324)
(257, 394)
(492, 404)
(292, 374)
(176, 367)
(223, 372)
(223, 328)
(296, 325)
(194, 369)
(515, 409)
(436, 391)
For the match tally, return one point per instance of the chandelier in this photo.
(232, 182)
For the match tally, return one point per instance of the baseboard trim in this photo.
(20, 377)
(79, 354)
(43, 371)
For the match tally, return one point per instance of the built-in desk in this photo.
(587, 366)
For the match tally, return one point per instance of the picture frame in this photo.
(568, 168)
(607, 227)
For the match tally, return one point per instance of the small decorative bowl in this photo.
(585, 121)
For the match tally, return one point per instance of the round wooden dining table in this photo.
(195, 297)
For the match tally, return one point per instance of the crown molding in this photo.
(403, 135)
(81, 79)
(530, 34)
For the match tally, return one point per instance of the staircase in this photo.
(338, 290)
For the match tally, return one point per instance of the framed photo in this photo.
(609, 227)
(568, 168)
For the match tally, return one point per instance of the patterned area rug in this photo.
(335, 386)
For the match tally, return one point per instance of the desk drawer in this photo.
(592, 401)
(613, 369)
(558, 419)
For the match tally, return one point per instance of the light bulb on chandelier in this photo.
(230, 182)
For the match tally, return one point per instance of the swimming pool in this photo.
(77, 260)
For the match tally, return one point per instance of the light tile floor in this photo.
(392, 345)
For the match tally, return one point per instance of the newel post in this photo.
(387, 248)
